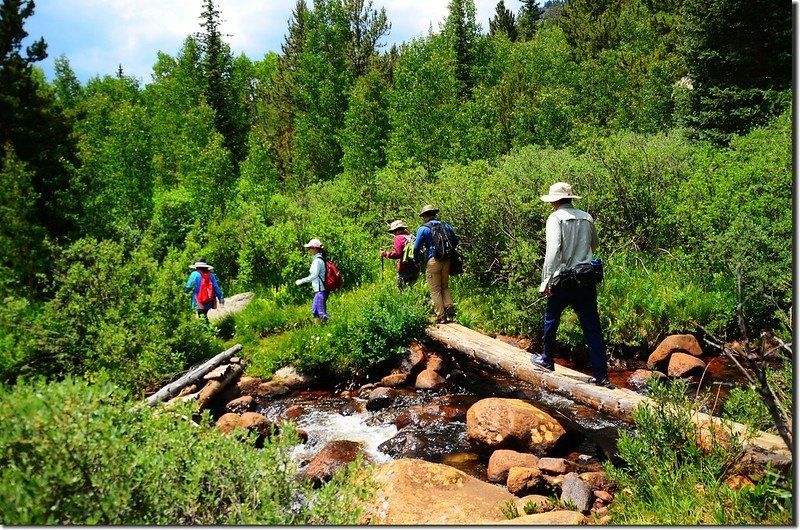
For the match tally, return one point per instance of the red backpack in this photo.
(205, 295)
(333, 278)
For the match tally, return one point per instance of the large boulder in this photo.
(334, 456)
(499, 423)
(525, 480)
(233, 304)
(685, 343)
(416, 492)
(432, 413)
(684, 365)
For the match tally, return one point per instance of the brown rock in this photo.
(498, 423)
(432, 413)
(248, 385)
(415, 492)
(596, 479)
(288, 376)
(557, 466)
(414, 360)
(293, 412)
(556, 517)
(240, 405)
(684, 365)
(271, 389)
(524, 480)
(504, 459)
(639, 378)
(737, 482)
(394, 380)
(436, 364)
(256, 422)
(428, 379)
(674, 343)
(381, 398)
(537, 504)
(227, 422)
(334, 456)
(603, 495)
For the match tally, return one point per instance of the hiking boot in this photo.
(442, 320)
(450, 312)
(538, 360)
(603, 382)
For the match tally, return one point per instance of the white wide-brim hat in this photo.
(314, 243)
(428, 209)
(201, 265)
(558, 191)
(396, 225)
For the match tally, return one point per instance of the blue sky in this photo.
(97, 36)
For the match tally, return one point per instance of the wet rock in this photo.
(405, 444)
(394, 380)
(293, 412)
(428, 379)
(524, 480)
(240, 405)
(430, 414)
(248, 385)
(498, 423)
(556, 466)
(684, 365)
(335, 455)
(639, 378)
(414, 360)
(415, 492)
(381, 398)
(674, 343)
(574, 490)
(556, 517)
(504, 459)
(436, 363)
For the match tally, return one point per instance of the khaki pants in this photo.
(437, 273)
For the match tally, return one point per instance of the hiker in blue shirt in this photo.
(316, 277)
(437, 271)
(194, 284)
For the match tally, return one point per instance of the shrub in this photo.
(78, 454)
(669, 479)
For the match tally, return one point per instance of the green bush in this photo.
(669, 478)
(79, 454)
(745, 405)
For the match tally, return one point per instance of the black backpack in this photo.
(443, 246)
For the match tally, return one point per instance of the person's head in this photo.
(314, 246)
(397, 227)
(559, 194)
(201, 265)
(428, 212)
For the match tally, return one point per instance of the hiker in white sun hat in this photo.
(316, 277)
(403, 252)
(569, 279)
(205, 290)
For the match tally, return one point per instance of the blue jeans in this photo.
(583, 299)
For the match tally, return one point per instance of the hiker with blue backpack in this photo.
(316, 277)
(203, 285)
(439, 242)
(403, 252)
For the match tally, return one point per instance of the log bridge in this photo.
(618, 403)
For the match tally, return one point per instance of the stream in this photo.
(329, 414)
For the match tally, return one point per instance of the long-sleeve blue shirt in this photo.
(425, 239)
(193, 285)
(316, 274)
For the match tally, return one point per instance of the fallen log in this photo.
(615, 402)
(173, 388)
(214, 386)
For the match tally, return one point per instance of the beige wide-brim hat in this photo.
(314, 243)
(396, 225)
(558, 191)
(428, 209)
(200, 264)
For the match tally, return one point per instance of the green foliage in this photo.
(366, 328)
(745, 405)
(79, 454)
(672, 479)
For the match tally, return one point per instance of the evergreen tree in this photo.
(739, 58)
(68, 89)
(503, 22)
(367, 26)
(220, 90)
(33, 130)
(529, 16)
(462, 32)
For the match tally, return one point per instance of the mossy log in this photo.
(614, 402)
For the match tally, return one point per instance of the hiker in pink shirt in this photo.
(403, 252)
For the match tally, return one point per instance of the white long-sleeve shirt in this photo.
(316, 274)
(571, 238)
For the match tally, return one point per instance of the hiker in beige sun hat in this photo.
(558, 191)
(314, 243)
(396, 225)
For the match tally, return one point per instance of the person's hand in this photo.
(297, 282)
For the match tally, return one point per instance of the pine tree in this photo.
(529, 16)
(503, 22)
(461, 30)
(367, 26)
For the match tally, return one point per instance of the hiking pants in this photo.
(583, 299)
(319, 306)
(437, 273)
